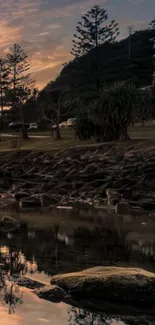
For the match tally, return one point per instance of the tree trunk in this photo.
(24, 132)
(124, 134)
(58, 134)
(1, 127)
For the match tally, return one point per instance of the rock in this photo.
(147, 204)
(27, 282)
(71, 172)
(151, 184)
(78, 185)
(122, 208)
(110, 285)
(119, 183)
(7, 201)
(47, 162)
(128, 194)
(20, 195)
(97, 183)
(30, 202)
(64, 185)
(47, 200)
(52, 293)
(8, 223)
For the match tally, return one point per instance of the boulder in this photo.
(52, 293)
(147, 204)
(30, 202)
(8, 223)
(125, 285)
(20, 195)
(122, 208)
(47, 200)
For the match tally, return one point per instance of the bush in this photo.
(108, 116)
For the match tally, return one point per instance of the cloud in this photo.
(54, 26)
(43, 34)
(9, 34)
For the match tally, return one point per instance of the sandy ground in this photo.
(35, 311)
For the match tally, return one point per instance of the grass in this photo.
(40, 144)
(48, 144)
(43, 144)
(147, 131)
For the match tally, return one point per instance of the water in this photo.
(65, 241)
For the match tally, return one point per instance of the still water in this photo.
(65, 241)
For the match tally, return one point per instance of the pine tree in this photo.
(152, 24)
(152, 27)
(92, 33)
(4, 82)
(21, 80)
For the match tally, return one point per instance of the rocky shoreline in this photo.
(119, 175)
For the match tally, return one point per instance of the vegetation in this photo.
(16, 83)
(21, 81)
(114, 64)
(87, 88)
(91, 33)
(56, 104)
(109, 115)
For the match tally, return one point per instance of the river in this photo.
(64, 241)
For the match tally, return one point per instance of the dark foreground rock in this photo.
(52, 293)
(8, 223)
(111, 285)
(30, 202)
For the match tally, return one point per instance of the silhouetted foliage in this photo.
(21, 81)
(91, 33)
(108, 116)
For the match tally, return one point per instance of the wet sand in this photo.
(35, 311)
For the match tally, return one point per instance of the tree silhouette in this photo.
(4, 84)
(152, 23)
(91, 33)
(21, 80)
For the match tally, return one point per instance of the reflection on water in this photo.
(62, 245)
(83, 317)
(10, 292)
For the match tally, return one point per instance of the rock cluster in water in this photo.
(123, 179)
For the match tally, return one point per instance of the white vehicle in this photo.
(63, 125)
(71, 121)
(33, 126)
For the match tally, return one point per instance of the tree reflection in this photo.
(11, 264)
(84, 317)
(53, 252)
(78, 316)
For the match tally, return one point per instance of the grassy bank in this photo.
(67, 141)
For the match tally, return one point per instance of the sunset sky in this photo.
(44, 28)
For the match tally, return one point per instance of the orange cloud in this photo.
(9, 34)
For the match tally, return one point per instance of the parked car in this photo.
(71, 121)
(18, 125)
(33, 126)
(63, 125)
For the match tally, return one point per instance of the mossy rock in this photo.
(116, 285)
